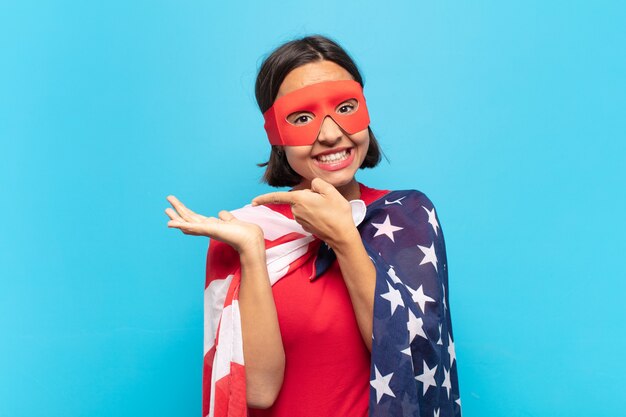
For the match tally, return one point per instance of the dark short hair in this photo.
(274, 69)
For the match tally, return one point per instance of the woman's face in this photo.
(335, 155)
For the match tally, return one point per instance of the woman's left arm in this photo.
(325, 213)
(359, 275)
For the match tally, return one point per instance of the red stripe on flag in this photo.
(238, 405)
(206, 380)
(230, 393)
(289, 237)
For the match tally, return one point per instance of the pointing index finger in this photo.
(278, 197)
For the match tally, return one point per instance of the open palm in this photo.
(226, 227)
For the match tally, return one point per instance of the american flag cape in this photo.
(413, 366)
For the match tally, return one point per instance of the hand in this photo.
(321, 210)
(227, 228)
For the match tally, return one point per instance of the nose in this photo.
(330, 132)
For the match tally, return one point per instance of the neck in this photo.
(349, 191)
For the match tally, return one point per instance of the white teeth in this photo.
(334, 157)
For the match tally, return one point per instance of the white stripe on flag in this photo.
(214, 296)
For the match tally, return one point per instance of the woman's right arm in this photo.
(263, 352)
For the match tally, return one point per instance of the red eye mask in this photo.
(321, 99)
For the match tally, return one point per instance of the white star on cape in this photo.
(432, 219)
(446, 381)
(394, 297)
(393, 276)
(420, 298)
(427, 378)
(386, 228)
(381, 385)
(436, 412)
(429, 255)
(415, 326)
(451, 351)
(398, 201)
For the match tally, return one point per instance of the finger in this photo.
(225, 215)
(322, 187)
(184, 212)
(208, 223)
(190, 228)
(172, 214)
(177, 224)
(307, 227)
(178, 206)
(278, 197)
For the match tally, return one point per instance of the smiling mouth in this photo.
(334, 158)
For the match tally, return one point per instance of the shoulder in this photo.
(221, 257)
(407, 199)
(221, 260)
(410, 210)
(403, 223)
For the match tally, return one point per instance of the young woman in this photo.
(334, 294)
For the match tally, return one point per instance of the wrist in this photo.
(253, 250)
(346, 240)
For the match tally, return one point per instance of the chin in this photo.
(338, 181)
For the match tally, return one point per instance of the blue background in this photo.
(510, 116)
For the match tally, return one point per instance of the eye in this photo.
(348, 106)
(300, 118)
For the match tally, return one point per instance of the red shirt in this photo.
(327, 364)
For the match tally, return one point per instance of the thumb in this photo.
(225, 215)
(320, 186)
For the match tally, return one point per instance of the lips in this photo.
(334, 157)
(334, 160)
